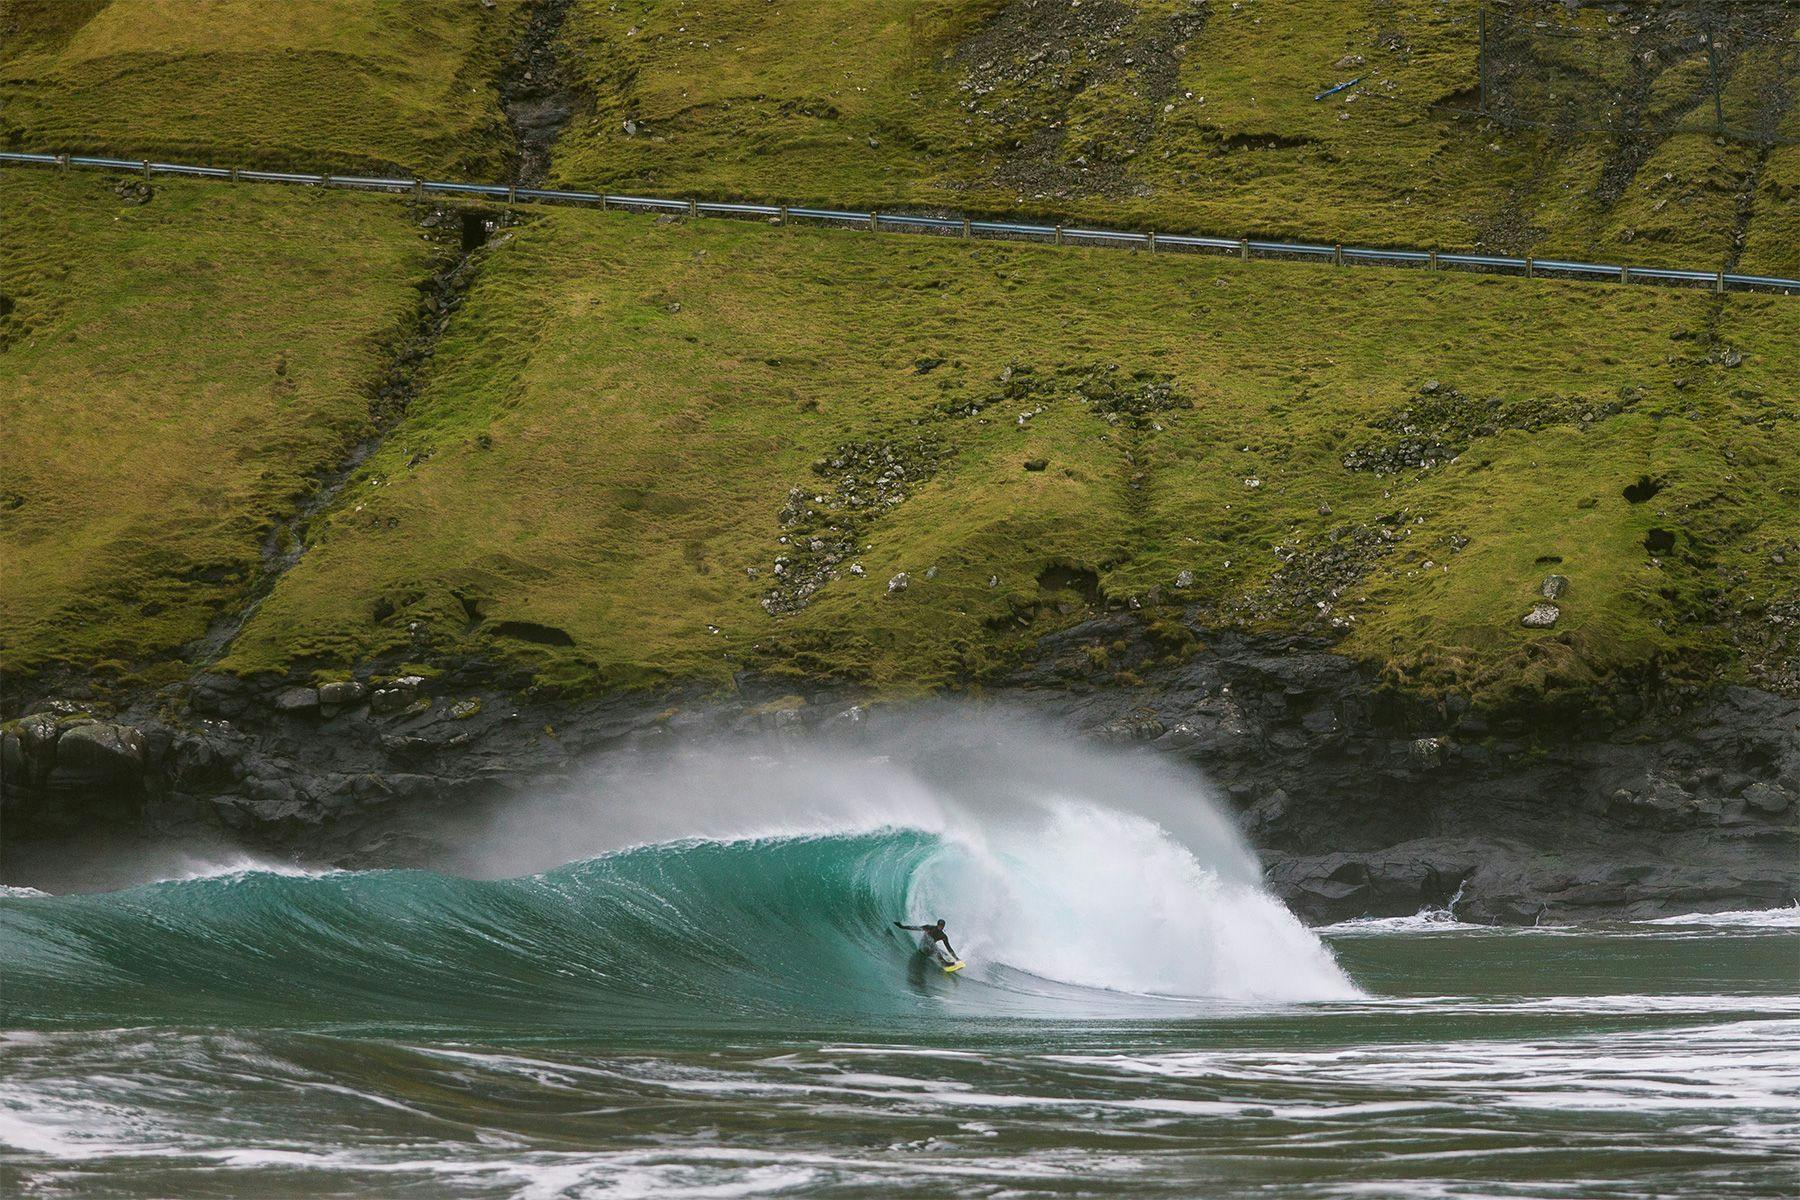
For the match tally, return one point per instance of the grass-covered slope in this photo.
(660, 452)
(332, 84)
(1178, 115)
(172, 374)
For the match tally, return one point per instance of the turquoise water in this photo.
(737, 1017)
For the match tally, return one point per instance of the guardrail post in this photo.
(1434, 265)
(1719, 282)
(693, 210)
(1059, 235)
(1624, 274)
(146, 168)
(418, 189)
(1152, 241)
(1244, 249)
(62, 161)
(1530, 267)
(234, 172)
(512, 195)
(1337, 255)
(874, 223)
(602, 201)
(966, 232)
(784, 215)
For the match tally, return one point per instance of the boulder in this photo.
(1553, 586)
(342, 693)
(1184, 579)
(296, 700)
(100, 753)
(1767, 798)
(219, 696)
(28, 748)
(1426, 753)
(389, 699)
(1541, 616)
(898, 583)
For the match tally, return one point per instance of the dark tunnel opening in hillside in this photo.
(475, 229)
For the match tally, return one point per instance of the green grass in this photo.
(325, 84)
(595, 480)
(171, 375)
(1211, 126)
(617, 417)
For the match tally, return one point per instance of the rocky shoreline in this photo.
(1361, 801)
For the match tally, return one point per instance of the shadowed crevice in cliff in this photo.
(440, 295)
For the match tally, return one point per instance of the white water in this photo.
(1106, 899)
(1063, 861)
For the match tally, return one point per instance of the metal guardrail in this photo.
(965, 227)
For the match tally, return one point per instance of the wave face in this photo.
(735, 884)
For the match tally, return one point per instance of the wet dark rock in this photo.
(296, 700)
(343, 692)
(220, 695)
(98, 754)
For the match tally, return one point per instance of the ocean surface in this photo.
(730, 1012)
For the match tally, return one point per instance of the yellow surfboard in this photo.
(954, 967)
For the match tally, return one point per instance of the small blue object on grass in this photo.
(1332, 91)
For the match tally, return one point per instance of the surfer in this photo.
(934, 937)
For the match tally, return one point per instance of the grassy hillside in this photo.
(632, 425)
(647, 452)
(340, 84)
(1168, 114)
(172, 373)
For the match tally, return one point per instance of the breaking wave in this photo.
(735, 884)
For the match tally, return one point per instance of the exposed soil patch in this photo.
(1642, 77)
(1316, 572)
(1138, 399)
(537, 91)
(823, 526)
(1442, 422)
(1075, 89)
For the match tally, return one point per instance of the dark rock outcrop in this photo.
(1362, 801)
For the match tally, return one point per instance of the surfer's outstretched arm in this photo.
(951, 949)
(914, 928)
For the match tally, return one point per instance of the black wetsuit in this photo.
(932, 934)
